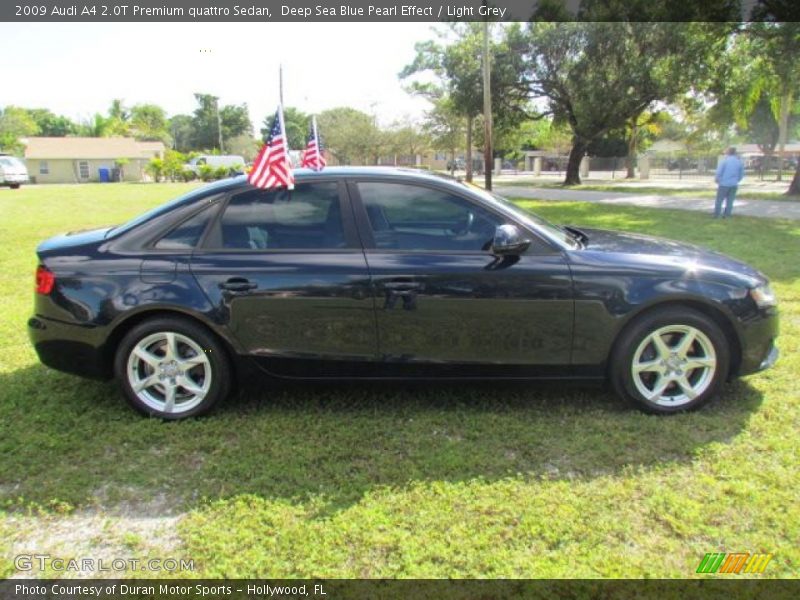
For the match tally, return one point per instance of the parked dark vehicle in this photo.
(386, 273)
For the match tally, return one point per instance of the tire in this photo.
(670, 360)
(172, 368)
(14, 186)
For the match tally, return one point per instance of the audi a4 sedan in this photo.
(390, 274)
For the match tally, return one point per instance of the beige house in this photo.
(85, 159)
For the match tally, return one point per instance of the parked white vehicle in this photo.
(215, 161)
(13, 172)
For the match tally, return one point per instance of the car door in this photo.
(287, 274)
(442, 297)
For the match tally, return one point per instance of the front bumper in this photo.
(15, 179)
(759, 350)
(771, 358)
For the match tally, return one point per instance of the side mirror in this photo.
(508, 239)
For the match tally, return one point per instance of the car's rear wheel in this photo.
(172, 368)
(670, 360)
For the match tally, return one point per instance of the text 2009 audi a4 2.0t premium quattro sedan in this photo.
(384, 273)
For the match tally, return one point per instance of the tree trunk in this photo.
(794, 187)
(783, 126)
(632, 149)
(574, 162)
(469, 149)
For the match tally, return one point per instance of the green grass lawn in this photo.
(686, 192)
(369, 480)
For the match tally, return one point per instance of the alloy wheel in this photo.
(169, 372)
(673, 365)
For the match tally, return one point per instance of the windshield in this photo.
(528, 218)
(10, 161)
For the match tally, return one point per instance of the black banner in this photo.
(107, 11)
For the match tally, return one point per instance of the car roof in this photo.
(302, 175)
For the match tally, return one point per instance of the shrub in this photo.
(222, 172)
(173, 165)
(206, 172)
(155, 168)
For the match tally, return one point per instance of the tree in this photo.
(235, 121)
(15, 123)
(406, 139)
(457, 67)
(598, 76)
(96, 126)
(182, 132)
(296, 123)
(209, 119)
(243, 145)
(118, 122)
(758, 81)
(780, 44)
(351, 136)
(50, 124)
(206, 123)
(149, 122)
(444, 127)
(640, 131)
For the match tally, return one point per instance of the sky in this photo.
(76, 69)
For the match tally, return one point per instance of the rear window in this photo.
(186, 235)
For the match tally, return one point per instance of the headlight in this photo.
(763, 296)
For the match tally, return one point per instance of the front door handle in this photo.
(238, 284)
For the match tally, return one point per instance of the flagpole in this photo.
(280, 84)
(286, 159)
(316, 136)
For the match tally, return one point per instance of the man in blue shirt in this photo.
(730, 172)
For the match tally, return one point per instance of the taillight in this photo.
(45, 280)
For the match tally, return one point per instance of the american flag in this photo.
(312, 155)
(271, 168)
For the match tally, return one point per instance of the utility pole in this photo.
(487, 109)
(219, 125)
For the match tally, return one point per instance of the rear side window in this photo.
(308, 217)
(186, 235)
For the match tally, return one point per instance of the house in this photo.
(84, 159)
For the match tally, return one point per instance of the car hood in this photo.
(73, 239)
(666, 252)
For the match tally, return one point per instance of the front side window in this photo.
(308, 217)
(415, 218)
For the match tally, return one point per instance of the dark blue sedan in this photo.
(390, 274)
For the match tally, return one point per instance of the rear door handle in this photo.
(238, 284)
(397, 287)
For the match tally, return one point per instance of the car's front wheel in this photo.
(172, 368)
(671, 360)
